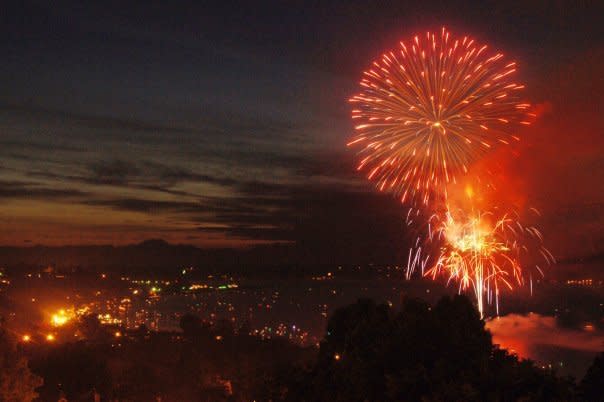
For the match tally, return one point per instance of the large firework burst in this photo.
(429, 109)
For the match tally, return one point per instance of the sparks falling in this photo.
(431, 108)
(482, 253)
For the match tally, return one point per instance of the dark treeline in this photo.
(274, 260)
(369, 353)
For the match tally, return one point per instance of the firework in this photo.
(481, 252)
(431, 108)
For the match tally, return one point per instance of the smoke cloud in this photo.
(526, 334)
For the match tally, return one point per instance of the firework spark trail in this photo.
(480, 252)
(431, 108)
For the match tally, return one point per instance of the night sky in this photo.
(226, 124)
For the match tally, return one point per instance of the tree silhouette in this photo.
(422, 353)
(92, 329)
(190, 324)
(592, 385)
(73, 368)
(17, 382)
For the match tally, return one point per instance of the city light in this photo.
(61, 317)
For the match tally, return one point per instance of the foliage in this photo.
(422, 353)
(369, 353)
(17, 382)
(592, 385)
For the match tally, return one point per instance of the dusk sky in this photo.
(226, 124)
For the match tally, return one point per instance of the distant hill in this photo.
(154, 255)
(160, 257)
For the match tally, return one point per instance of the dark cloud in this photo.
(171, 175)
(235, 127)
(541, 339)
(237, 231)
(144, 175)
(145, 206)
(323, 221)
(533, 330)
(34, 191)
(113, 172)
(106, 123)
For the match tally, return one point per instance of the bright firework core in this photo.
(470, 237)
(481, 255)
